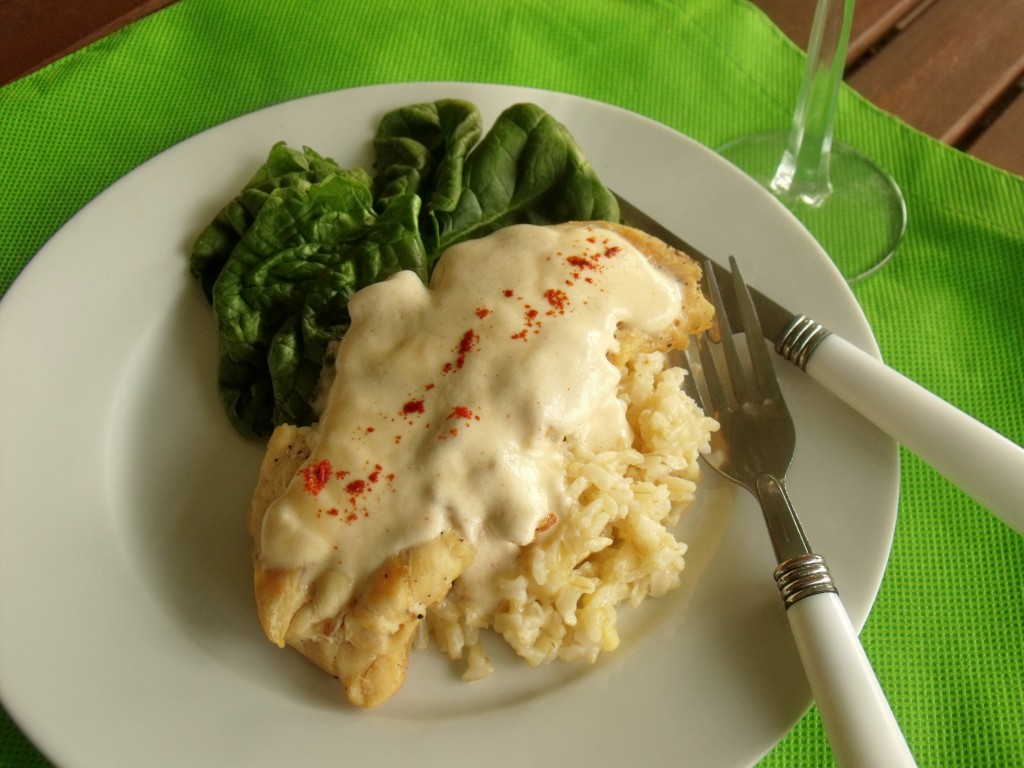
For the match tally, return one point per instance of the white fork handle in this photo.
(858, 721)
(985, 465)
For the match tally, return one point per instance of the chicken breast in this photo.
(437, 457)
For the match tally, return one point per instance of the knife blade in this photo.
(984, 464)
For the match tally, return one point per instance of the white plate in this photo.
(127, 631)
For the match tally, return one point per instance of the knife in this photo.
(984, 464)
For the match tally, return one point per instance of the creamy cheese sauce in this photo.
(450, 404)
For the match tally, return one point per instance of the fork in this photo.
(754, 448)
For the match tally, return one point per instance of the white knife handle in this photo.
(860, 725)
(984, 464)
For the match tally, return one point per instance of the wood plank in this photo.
(1002, 143)
(34, 33)
(949, 66)
(873, 20)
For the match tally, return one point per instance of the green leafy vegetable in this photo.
(285, 167)
(528, 169)
(422, 149)
(281, 260)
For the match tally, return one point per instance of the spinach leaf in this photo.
(528, 169)
(285, 167)
(422, 148)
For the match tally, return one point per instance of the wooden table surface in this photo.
(951, 68)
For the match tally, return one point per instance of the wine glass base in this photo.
(862, 220)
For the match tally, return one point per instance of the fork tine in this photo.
(716, 396)
(764, 370)
(739, 380)
(742, 389)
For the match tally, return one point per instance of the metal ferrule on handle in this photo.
(801, 337)
(803, 576)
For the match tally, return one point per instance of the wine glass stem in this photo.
(803, 173)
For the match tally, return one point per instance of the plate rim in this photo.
(863, 337)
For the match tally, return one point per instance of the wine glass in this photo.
(854, 209)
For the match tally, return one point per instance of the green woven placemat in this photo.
(946, 633)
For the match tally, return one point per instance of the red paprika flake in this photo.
(557, 299)
(356, 487)
(413, 406)
(462, 412)
(482, 312)
(581, 262)
(508, 293)
(466, 344)
(316, 476)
